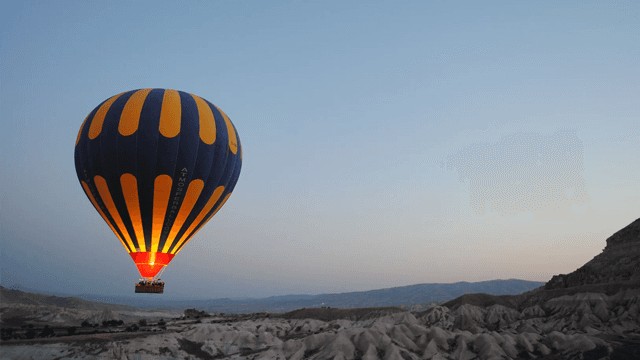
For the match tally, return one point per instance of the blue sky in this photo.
(385, 143)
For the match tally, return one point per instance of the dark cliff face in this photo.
(628, 235)
(619, 263)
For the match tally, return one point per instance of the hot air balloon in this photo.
(157, 165)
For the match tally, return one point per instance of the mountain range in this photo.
(411, 295)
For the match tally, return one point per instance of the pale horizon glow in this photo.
(384, 143)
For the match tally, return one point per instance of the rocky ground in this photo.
(592, 313)
(18, 314)
(582, 326)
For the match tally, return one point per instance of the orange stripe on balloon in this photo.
(178, 248)
(212, 201)
(103, 190)
(80, 132)
(161, 194)
(95, 204)
(170, 114)
(207, 121)
(130, 191)
(200, 227)
(233, 141)
(130, 117)
(221, 204)
(98, 119)
(190, 198)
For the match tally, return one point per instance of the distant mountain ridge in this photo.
(397, 296)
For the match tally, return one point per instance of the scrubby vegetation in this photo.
(195, 314)
(112, 323)
(31, 331)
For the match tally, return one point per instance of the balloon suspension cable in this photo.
(161, 271)
(153, 279)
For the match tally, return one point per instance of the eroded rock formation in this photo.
(619, 263)
(567, 319)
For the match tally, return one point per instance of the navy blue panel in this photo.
(204, 161)
(236, 175)
(221, 157)
(220, 151)
(93, 148)
(95, 166)
(185, 162)
(229, 178)
(228, 170)
(148, 133)
(230, 186)
(205, 157)
(109, 156)
(84, 169)
(81, 151)
(211, 184)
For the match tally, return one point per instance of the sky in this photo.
(385, 143)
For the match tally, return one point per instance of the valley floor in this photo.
(582, 326)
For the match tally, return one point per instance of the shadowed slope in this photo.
(619, 263)
(8, 296)
(330, 314)
(484, 300)
(616, 269)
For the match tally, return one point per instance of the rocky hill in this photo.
(10, 296)
(19, 308)
(566, 319)
(585, 326)
(614, 270)
(619, 263)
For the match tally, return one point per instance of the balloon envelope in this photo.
(157, 165)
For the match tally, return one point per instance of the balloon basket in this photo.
(150, 286)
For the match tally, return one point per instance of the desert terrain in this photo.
(592, 313)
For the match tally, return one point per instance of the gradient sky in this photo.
(386, 143)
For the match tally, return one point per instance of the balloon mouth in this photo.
(150, 263)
